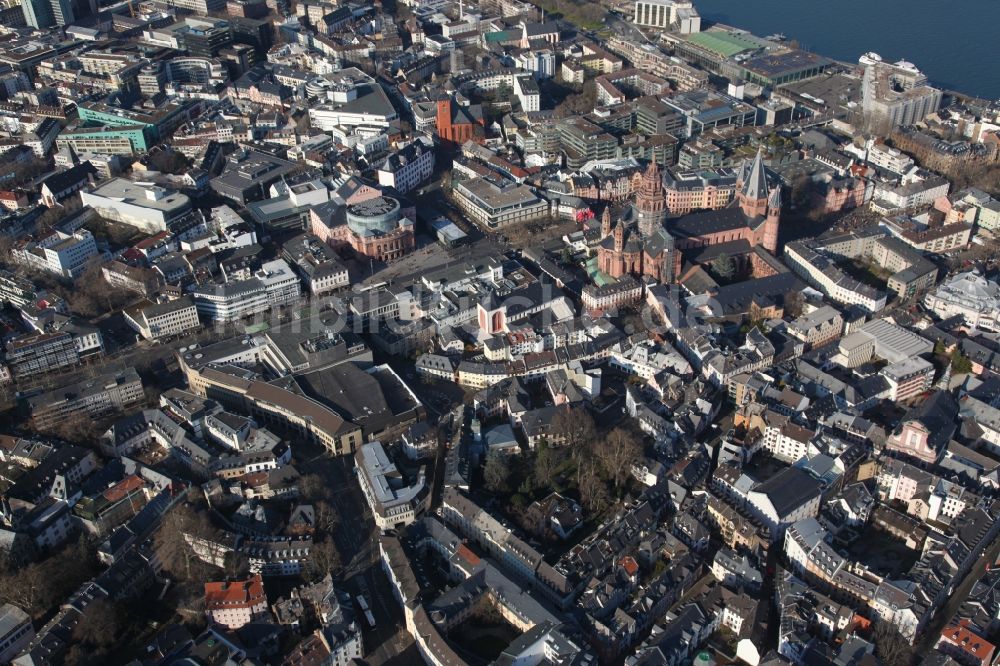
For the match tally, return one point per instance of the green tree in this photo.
(939, 347)
(723, 267)
(960, 363)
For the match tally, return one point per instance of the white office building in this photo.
(280, 282)
(408, 167)
(970, 295)
(394, 503)
(275, 284)
(145, 206)
(60, 253)
(527, 92)
(158, 320)
(679, 15)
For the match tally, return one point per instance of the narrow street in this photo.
(933, 630)
(356, 538)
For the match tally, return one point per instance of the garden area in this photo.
(867, 272)
(882, 553)
(484, 635)
(585, 464)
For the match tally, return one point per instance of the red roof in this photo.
(255, 479)
(123, 488)
(132, 254)
(467, 555)
(152, 240)
(962, 637)
(630, 566)
(237, 594)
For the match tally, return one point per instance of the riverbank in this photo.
(952, 49)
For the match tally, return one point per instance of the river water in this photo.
(955, 43)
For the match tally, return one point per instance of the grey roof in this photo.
(789, 489)
(707, 222)
(149, 309)
(755, 186)
(10, 617)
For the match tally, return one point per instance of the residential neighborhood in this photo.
(505, 333)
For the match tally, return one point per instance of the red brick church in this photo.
(644, 243)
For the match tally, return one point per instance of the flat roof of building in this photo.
(776, 64)
(145, 195)
(726, 44)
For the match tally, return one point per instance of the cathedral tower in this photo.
(752, 187)
(773, 220)
(650, 201)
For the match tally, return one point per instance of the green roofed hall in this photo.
(726, 44)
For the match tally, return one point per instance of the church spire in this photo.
(774, 201)
(606, 222)
(755, 185)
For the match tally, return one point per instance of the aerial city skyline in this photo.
(498, 332)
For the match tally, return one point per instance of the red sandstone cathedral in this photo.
(646, 244)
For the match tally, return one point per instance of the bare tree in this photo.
(578, 103)
(547, 463)
(794, 302)
(617, 453)
(6, 245)
(76, 428)
(593, 489)
(313, 488)
(496, 472)
(324, 558)
(169, 161)
(98, 626)
(39, 586)
(237, 565)
(191, 603)
(575, 426)
(183, 531)
(92, 295)
(325, 516)
(26, 588)
(890, 646)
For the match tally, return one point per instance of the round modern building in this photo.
(373, 217)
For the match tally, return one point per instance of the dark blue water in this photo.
(953, 42)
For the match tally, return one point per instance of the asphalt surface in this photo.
(933, 630)
(356, 537)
